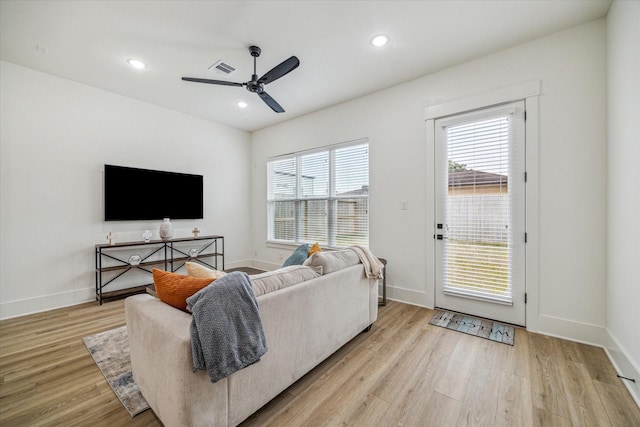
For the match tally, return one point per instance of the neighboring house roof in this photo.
(469, 178)
(359, 192)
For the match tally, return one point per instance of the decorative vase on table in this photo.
(166, 229)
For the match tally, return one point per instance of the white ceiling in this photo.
(90, 41)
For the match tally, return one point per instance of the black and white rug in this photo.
(110, 351)
(482, 328)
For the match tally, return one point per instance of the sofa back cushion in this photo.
(331, 261)
(281, 278)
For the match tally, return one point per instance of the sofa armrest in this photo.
(161, 362)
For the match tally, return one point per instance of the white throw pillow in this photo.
(331, 261)
(198, 270)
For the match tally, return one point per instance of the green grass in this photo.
(478, 266)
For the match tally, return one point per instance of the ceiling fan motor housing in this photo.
(254, 86)
(255, 51)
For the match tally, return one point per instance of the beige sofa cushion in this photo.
(331, 261)
(198, 270)
(281, 278)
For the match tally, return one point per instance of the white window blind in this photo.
(478, 249)
(320, 196)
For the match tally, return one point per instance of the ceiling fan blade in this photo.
(280, 70)
(271, 102)
(213, 82)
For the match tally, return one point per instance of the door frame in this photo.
(529, 93)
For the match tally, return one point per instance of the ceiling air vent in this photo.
(222, 68)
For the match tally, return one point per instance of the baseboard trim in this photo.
(623, 364)
(407, 296)
(39, 304)
(585, 333)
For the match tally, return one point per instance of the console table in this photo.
(139, 258)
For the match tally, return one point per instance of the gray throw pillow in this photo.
(298, 256)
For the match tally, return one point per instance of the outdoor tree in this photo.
(456, 167)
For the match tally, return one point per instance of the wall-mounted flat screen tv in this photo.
(132, 194)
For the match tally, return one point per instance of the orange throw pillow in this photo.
(174, 289)
(315, 249)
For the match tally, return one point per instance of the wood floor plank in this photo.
(369, 413)
(585, 407)
(514, 401)
(403, 372)
(408, 405)
(547, 387)
(546, 418)
(598, 365)
(459, 369)
(481, 397)
(439, 410)
(618, 404)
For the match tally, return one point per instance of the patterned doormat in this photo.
(110, 351)
(482, 328)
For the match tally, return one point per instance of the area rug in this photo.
(482, 328)
(110, 351)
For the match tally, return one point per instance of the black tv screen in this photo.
(132, 194)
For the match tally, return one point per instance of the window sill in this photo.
(275, 244)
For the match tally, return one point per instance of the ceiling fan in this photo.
(256, 85)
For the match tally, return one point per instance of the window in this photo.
(320, 196)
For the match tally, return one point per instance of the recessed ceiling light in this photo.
(379, 40)
(242, 104)
(136, 63)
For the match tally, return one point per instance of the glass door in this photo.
(480, 208)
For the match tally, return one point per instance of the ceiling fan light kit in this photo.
(256, 85)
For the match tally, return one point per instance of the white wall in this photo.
(571, 66)
(623, 188)
(56, 136)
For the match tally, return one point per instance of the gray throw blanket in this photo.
(226, 330)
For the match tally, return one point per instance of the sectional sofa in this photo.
(308, 312)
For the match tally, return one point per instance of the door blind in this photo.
(478, 226)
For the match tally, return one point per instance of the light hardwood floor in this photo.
(403, 372)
